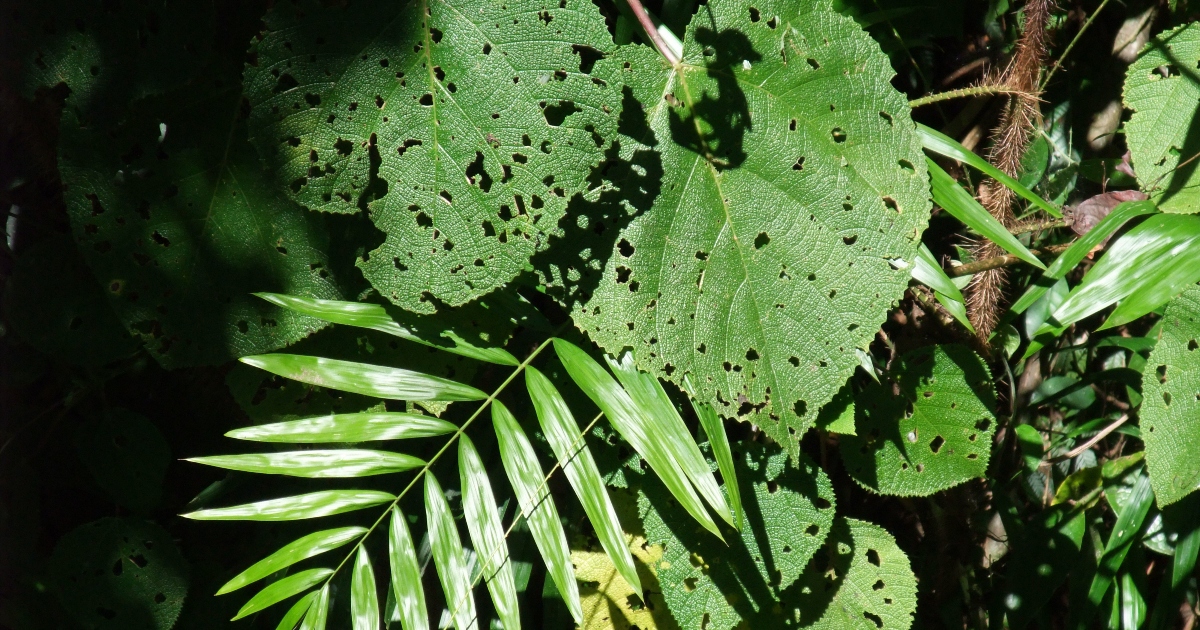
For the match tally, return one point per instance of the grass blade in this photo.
(297, 612)
(448, 556)
(302, 506)
(714, 429)
(282, 589)
(957, 201)
(318, 612)
(528, 482)
(362, 378)
(406, 575)
(628, 419)
(291, 553)
(942, 144)
(487, 533)
(347, 427)
(316, 464)
(375, 317)
(364, 599)
(561, 430)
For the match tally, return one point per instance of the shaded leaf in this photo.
(282, 589)
(1041, 560)
(316, 464)
(127, 456)
(360, 378)
(295, 551)
(406, 575)
(347, 427)
(448, 556)
(487, 533)
(311, 505)
(364, 599)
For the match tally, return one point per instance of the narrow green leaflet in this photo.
(927, 271)
(311, 505)
(364, 599)
(634, 426)
(316, 464)
(297, 611)
(792, 176)
(663, 421)
(406, 575)
(465, 126)
(935, 435)
(718, 441)
(375, 317)
(1040, 560)
(1170, 385)
(282, 589)
(529, 484)
(360, 378)
(318, 612)
(347, 427)
(1162, 88)
(952, 198)
(487, 533)
(296, 551)
(563, 434)
(448, 556)
(942, 144)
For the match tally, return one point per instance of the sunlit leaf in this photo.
(282, 589)
(297, 611)
(364, 599)
(948, 194)
(718, 441)
(316, 464)
(487, 532)
(448, 556)
(406, 575)
(301, 549)
(360, 378)
(311, 505)
(318, 612)
(927, 271)
(347, 427)
(1169, 404)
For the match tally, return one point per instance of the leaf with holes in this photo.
(794, 177)
(708, 584)
(936, 434)
(1171, 402)
(465, 127)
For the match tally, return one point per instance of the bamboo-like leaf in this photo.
(362, 378)
(448, 556)
(297, 611)
(629, 420)
(375, 317)
(529, 484)
(662, 419)
(718, 441)
(562, 431)
(318, 612)
(406, 575)
(942, 144)
(957, 201)
(487, 533)
(282, 589)
(316, 464)
(311, 505)
(347, 427)
(291, 553)
(364, 600)
(927, 271)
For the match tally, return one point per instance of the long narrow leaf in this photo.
(487, 533)
(448, 556)
(957, 201)
(375, 317)
(362, 378)
(347, 427)
(311, 505)
(942, 144)
(525, 475)
(316, 464)
(364, 599)
(406, 575)
(282, 589)
(1124, 534)
(297, 611)
(562, 431)
(718, 441)
(291, 553)
(660, 418)
(318, 613)
(927, 271)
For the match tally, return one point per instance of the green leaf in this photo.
(1041, 558)
(316, 464)
(928, 271)
(487, 533)
(296, 551)
(364, 599)
(718, 441)
(282, 589)
(634, 425)
(318, 612)
(761, 231)
(529, 484)
(1169, 405)
(942, 144)
(837, 416)
(1162, 88)
(375, 317)
(360, 378)
(708, 583)
(406, 575)
(578, 464)
(297, 611)
(1146, 266)
(311, 505)
(1124, 532)
(347, 427)
(448, 556)
(481, 119)
(935, 435)
(957, 201)
(127, 456)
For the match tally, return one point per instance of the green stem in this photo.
(978, 90)
(1067, 51)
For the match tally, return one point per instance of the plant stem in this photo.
(978, 90)
(1073, 453)
(1002, 261)
(1038, 226)
(1067, 51)
(651, 31)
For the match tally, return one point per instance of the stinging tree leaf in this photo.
(316, 464)
(364, 598)
(448, 556)
(487, 533)
(347, 427)
(282, 589)
(302, 506)
(406, 575)
(291, 553)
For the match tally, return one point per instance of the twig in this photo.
(1007, 260)
(1067, 51)
(1073, 453)
(978, 90)
(1038, 226)
(651, 31)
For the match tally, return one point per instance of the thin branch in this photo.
(1073, 453)
(1038, 226)
(1067, 51)
(1007, 260)
(978, 90)
(651, 31)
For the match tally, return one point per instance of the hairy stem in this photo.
(978, 90)
(1005, 260)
